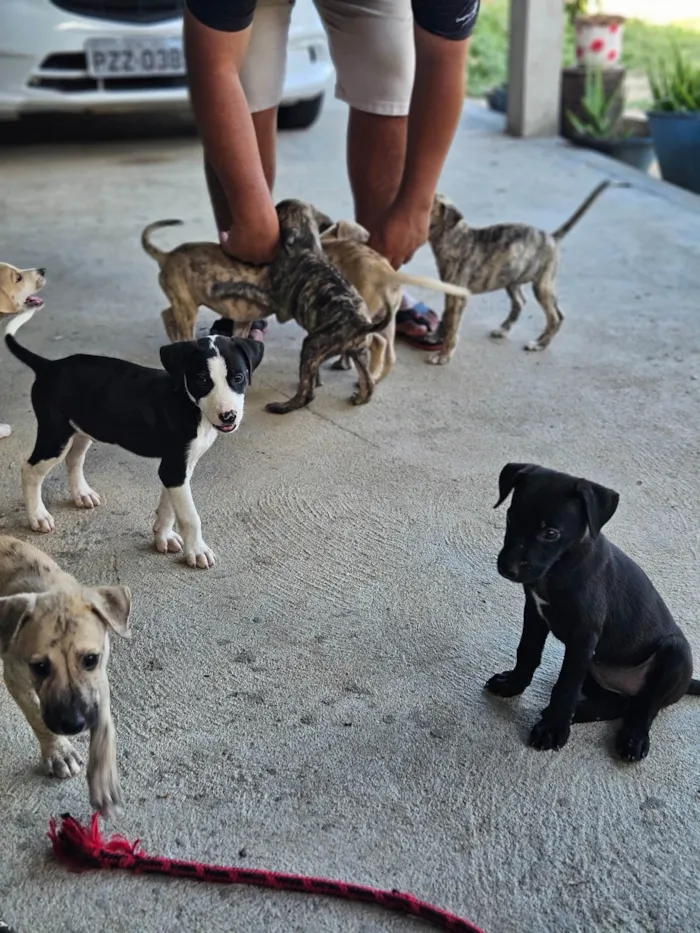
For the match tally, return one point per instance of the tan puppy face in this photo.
(59, 642)
(18, 287)
(346, 230)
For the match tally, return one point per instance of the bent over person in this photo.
(401, 68)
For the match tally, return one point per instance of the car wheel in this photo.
(300, 116)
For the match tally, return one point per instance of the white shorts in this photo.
(371, 44)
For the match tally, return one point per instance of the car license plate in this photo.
(135, 58)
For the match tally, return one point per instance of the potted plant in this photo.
(598, 39)
(601, 127)
(675, 120)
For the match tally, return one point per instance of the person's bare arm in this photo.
(436, 107)
(214, 59)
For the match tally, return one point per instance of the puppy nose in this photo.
(71, 722)
(227, 417)
(509, 569)
(42, 272)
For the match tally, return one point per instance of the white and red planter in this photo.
(599, 41)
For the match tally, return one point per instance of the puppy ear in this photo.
(349, 230)
(508, 478)
(113, 605)
(253, 351)
(329, 233)
(323, 221)
(223, 327)
(174, 357)
(599, 502)
(7, 305)
(14, 612)
(445, 212)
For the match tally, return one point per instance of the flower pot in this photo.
(676, 137)
(497, 99)
(599, 41)
(573, 89)
(636, 150)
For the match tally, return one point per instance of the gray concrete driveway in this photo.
(315, 702)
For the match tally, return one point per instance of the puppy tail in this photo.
(26, 356)
(593, 196)
(420, 281)
(158, 254)
(694, 688)
(371, 327)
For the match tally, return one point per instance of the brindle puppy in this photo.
(54, 645)
(186, 273)
(306, 287)
(503, 256)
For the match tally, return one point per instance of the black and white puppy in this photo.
(625, 656)
(174, 416)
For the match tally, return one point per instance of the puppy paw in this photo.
(5, 430)
(507, 684)
(439, 359)
(357, 398)
(167, 542)
(498, 333)
(199, 556)
(42, 521)
(105, 792)
(547, 735)
(633, 743)
(86, 498)
(62, 760)
(534, 346)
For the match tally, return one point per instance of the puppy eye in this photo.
(239, 378)
(550, 534)
(90, 661)
(19, 277)
(40, 669)
(203, 380)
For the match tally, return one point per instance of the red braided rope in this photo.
(82, 848)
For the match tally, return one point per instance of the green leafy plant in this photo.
(675, 84)
(576, 8)
(600, 111)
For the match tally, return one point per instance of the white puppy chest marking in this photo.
(206, 435)
(540, 604)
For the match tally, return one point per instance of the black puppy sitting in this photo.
(625, 656)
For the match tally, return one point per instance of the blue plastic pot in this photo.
(637, 151)
(677, 142)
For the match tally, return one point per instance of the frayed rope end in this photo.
(83, 848)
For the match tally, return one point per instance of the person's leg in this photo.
(376, 156)
(262, 77)
(374, 54)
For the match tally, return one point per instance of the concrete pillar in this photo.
(534, 67)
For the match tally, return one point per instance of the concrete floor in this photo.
(315, 702)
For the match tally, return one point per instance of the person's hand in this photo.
(400, 232)
(254, 240)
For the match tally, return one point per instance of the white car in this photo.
(107, 56)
